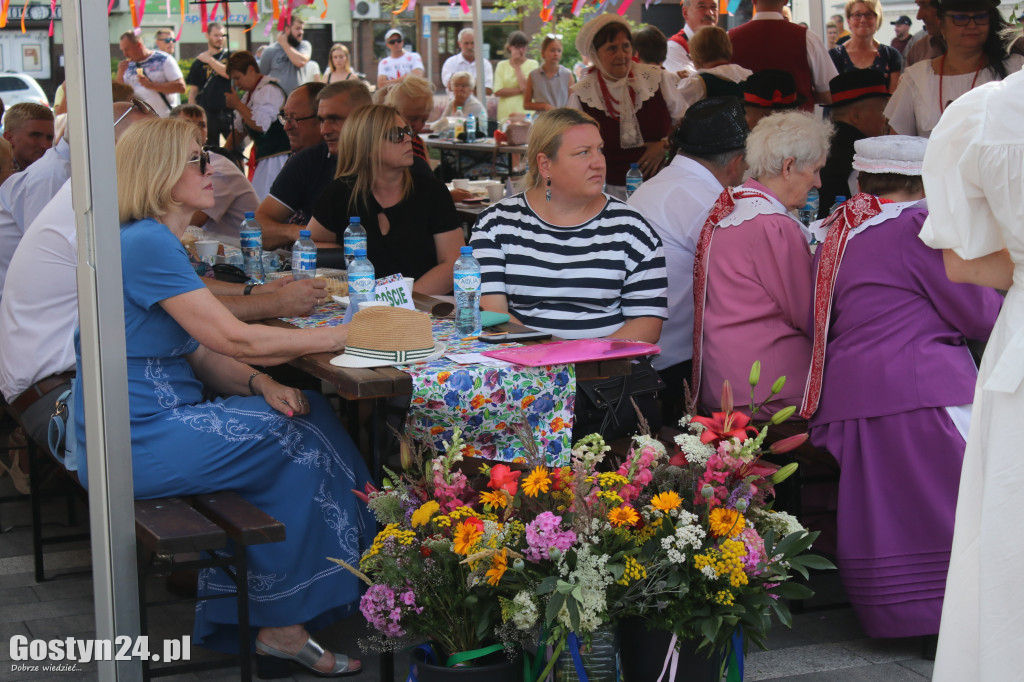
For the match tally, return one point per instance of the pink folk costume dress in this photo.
(894, 379)
(751, 294)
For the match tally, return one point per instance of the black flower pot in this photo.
(644, 651)
(495, 667)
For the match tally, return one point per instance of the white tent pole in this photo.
(478, 37)
(101, 319)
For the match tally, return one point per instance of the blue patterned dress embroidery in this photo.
(299, 470)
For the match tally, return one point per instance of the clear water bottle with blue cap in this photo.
(809, 212)
(362, 282)
(353, 238)
(634, 178)
(250, 237)
(839, 202)
(304, 256)
(467, 293)
(470, 127)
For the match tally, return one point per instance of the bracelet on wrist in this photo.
(252, 391)
(248, 289)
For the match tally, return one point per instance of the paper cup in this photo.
(207, 249)
(408, 281)
(460, 183)
(495, 192)
(363, 305)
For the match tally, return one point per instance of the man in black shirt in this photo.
(208, 82)
(298, 186)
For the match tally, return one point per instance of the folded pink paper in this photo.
(580, 350)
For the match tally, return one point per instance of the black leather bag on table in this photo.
(605, 406)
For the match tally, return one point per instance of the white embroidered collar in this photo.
(889, 211)
(750, 203)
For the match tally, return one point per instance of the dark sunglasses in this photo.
(965, 19)
(285, 119)
(397, 134)
(203, 160)
(139, 104)
(394, 41)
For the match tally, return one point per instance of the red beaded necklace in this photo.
(609, 101)
(942, 69)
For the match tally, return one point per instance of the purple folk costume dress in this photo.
(895, 362)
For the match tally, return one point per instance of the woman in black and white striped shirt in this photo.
(564, 257)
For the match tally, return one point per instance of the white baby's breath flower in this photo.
(694, 450)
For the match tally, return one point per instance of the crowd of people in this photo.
(705, 258)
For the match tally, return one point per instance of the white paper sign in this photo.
(395, 291)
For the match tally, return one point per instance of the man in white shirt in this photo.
(676, 202)
(400, 62)
(154, 75)
(696, 14)
(465, 60)
(286, 59)
(25, 194)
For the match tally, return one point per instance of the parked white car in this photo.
(17, 87)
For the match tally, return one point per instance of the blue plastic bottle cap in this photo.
(250, 214)
(353, 219)
(304, 233)
(634, 165)
(360, 252)
(466, 250)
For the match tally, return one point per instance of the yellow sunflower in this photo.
(667, 501)
(422, 516)
(726, 522)
(499, 564)
(537, 482)
(623, 516)
(467, 535)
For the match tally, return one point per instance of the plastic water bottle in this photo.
(809, 213)
(251, 237)
(467, 293)
(634, 178)
(304, 256)
(354, 238)
(470, 128)
(839, 202)
(361, 280)
(481, 124)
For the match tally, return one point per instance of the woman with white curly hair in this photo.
(635, 105)
(752, 292)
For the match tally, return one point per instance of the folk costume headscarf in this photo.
(620, 98)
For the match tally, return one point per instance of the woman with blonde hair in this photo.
(547, 86)
(413, 97)
(280, 448)
(339, 65)
(539, 254)
(862, 51)
(410, 220)
(751, 243)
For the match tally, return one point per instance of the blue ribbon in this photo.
(574, 650)
(736, 656)
(428, 657)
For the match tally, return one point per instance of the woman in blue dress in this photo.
(278, 447)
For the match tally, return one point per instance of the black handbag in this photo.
(605, 406)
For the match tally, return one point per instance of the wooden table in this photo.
(482, 145)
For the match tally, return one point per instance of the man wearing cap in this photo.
(400, 63)
(676, 201)
(696, 14)
(858, 100)
(903, 37)
(465, 60)
(768, 41)
(889, 391)
(768, 91)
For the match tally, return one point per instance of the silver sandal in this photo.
(274, 664)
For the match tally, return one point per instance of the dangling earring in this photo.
(547, 192)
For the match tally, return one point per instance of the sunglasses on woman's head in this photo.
(965, 19)
(555, 36)
(139, 104)
(397, 134)
(203, 159)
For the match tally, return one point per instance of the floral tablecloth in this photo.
(487, 402)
